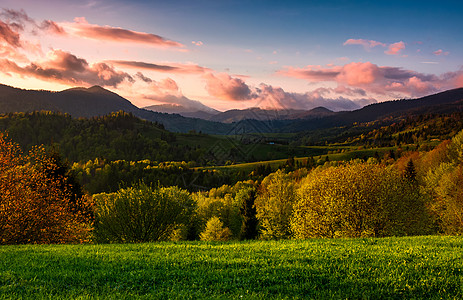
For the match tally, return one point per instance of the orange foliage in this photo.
(35, 207)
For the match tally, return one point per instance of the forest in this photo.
(118, 179)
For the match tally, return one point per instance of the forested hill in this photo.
(116, 136)
(96, 101)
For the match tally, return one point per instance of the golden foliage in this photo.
(356, 200)
(35, 207)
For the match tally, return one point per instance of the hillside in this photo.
(96, 101)
(444, 102)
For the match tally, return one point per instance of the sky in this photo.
(234, 54)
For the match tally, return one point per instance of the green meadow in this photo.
(428, 267)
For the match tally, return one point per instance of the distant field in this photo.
(389, 268)
(334, 153)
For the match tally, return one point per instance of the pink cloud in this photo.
(395, 49)
(225, 87)
(198, 43)
(9, 36)
(167, 68)
(168, 84)
(64, 67)
(84, 29)
(440, 52)
(380, 80)
(367, 44)
(52, 27)
(358, 74)
(312, 73)
(270, 97)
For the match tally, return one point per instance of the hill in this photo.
(203, 112)
(444, 102)
(93, 102)
(256, 113)
(96, 101)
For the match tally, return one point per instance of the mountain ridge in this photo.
(97, 101)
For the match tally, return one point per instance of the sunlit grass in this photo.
(390, 268)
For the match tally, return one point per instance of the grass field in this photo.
(318, 152)
(389, 268)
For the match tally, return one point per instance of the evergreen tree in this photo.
(410, 172)
(248, 212)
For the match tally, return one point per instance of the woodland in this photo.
(120, 179)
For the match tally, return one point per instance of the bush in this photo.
(141, 214)
(356, 200)
(214, 231)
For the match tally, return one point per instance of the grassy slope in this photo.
(390, 268)
(318, 153)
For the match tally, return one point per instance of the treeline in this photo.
(99, 175)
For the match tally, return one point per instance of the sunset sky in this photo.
(235, 54)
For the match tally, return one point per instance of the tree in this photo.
(410, 172)
(248, 212)
(274, 205)
(141, 214)
(34, 206)
(358, 199)
(215, 231)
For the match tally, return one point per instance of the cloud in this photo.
(440, 52)
(52, 27)
(380, 80)
(84, 29)
(225, 87)
(16, 17)
(276, 98)
(395, 49)
(64, 67)
(9, 36)
(168, 68)
(198, 43)
(367, 44)
(266, 96)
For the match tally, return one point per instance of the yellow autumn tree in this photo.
(356, 200)
(274, 205)
(34, 206)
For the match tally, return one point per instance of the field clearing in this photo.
(319, 153)
(389, 268)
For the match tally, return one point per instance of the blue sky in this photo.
(236, 54)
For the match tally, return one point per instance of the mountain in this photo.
(204, 113)
(255, 113)
(443, 102)
(96, 101)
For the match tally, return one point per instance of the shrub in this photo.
(141, 214)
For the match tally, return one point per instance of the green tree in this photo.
(141, 214)
(248, 212)
(274, 205)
